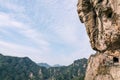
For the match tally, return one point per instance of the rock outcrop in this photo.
(102, 21)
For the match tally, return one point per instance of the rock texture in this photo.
(102, 21)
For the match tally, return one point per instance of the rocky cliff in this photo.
(102, 21)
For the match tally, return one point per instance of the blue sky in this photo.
(44, 30)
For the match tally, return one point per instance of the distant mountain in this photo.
(47, 65)
(15, 68)
(57, 65)
(44, 65)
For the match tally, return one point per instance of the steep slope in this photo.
(102, 22)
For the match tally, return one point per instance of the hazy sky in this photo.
(44, 30)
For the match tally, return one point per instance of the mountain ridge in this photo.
(15, 68)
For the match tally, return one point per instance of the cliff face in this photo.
(102, 21)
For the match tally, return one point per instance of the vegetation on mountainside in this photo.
(14, 68)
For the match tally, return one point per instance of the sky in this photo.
(47, 31)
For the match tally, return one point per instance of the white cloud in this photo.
(12, 7)
(68, 30)
(58, 17)
(7, 21)
(11, 48)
